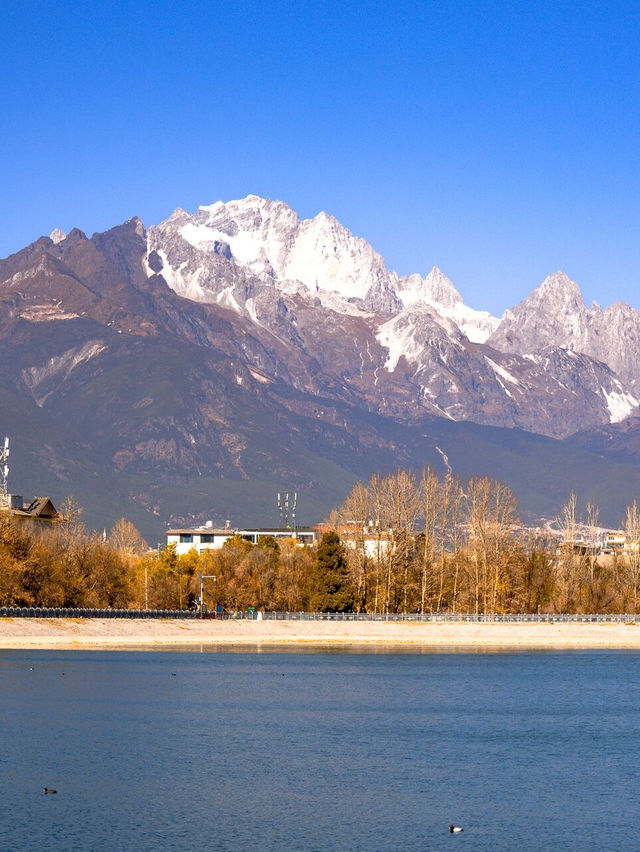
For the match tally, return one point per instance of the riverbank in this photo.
(156, 634)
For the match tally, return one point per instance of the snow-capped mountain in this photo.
(267, 242)
(241, 343)
(259, 259)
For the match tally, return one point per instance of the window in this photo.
(207, 538)
(185, 538)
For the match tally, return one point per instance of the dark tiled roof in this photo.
(40, 507)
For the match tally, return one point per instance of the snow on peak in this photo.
(438, 292)
(57, 236)
(269, 240)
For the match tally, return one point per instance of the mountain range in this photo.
(192, 369)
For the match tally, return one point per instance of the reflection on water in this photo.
(318, 749)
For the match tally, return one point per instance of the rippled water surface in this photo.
(323, 751)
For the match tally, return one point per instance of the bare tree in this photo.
(569, 557)
(492, 514)
(430, 493)
(355, 514)
(126, 539)
(376, 490)
(478, 520)
(631, 557)
(402, 510)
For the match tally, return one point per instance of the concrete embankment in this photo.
(156, 634)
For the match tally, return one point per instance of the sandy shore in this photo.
(71, 633)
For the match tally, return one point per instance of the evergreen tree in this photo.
(331, 587)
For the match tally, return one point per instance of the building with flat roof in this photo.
(210, 538)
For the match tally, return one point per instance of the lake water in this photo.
(319, 751)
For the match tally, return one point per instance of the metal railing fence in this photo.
(84, 612)
(437, 617)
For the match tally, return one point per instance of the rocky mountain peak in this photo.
(558, 289)
(137, 225)
(250, 214)
(440, 290)
(75, 235)
(553, 315)
(436, 289)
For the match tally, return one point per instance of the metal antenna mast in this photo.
(4, 472)
(287, 503)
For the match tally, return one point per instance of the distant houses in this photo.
(599, 543)
(371, 542)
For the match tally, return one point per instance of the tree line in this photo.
(432, 544)
(68, 565)
(398, 543)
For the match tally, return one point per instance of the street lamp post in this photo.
(204, 577)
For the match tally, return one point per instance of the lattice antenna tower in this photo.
(4, 470)
(287, 503)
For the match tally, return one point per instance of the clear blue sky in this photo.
(499, 141)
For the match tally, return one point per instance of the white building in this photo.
(209, 538)
(302, 535)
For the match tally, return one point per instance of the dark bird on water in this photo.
(46, 790)
(455, 829)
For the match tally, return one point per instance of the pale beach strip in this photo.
(188, 634)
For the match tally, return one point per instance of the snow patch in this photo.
(250, 305)
(226, 299)
(445, 459)
(505, 374)
(620, 405)
(57, 236)
(399, 338)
